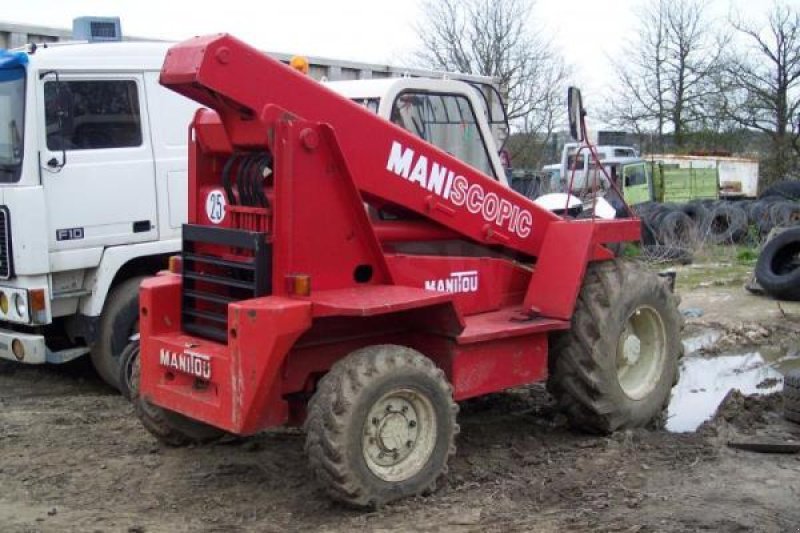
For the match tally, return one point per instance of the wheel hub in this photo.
(399, 435)
(641, 353)
(392, 431)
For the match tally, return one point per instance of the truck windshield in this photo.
(12, 125)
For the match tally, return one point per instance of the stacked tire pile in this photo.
(672, 231)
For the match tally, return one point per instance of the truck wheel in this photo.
(118, 323)
(791, 396)
(170, 428)
(616, 367)
(128, 357)
(381, 426)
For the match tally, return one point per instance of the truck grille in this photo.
(220, 266)
(6, 266)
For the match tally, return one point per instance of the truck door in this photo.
(636, 185)
(97, 162)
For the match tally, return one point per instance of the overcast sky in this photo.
(587, 32)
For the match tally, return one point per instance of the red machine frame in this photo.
(336, 282)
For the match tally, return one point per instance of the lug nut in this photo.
(412, 423)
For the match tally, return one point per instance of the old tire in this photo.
(168, 427)
(791, 396)
(597, 375)
(787, 189)
(381, 426)
(676, 228)
(725, 224)
(696, 211)
(777, 267)
(117, 323)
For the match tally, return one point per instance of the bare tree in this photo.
(494, 38)
(764, 78)
(667, 83)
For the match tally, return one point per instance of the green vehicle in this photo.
(654, 181)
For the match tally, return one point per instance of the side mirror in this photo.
(575, 112)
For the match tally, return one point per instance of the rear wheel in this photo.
(118, 323)
(616, 367)
(170, 428)
(381, 426)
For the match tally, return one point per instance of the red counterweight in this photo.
(285, 272)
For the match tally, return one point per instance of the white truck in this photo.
(93, 155)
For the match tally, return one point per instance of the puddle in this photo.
(705, 381)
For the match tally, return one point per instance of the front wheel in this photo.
(616, 366)
(381, 426)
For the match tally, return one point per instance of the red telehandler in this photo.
(346, 274)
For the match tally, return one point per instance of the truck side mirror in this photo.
(54, 163)
(575, 112)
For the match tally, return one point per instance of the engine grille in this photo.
(6, 265)
(220, 266)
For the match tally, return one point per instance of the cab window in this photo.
(94, 114)
(581, 162)
(635, 175)
(447, 121)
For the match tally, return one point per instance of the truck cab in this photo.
(579, 166)
(93, 184)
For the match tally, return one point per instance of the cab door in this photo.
(96, 163)
(636, 183)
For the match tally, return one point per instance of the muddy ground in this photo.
(74, 458)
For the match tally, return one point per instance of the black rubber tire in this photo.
(167, 426)
(784, 214)
(583, 361)
(787, 189)
(791, 396)
(757, 211)
(127, 359)
(337, 415)
(646, 213)
(778, 266)
(117, 324)
(725, 224)
(676, 228)
(696, 211)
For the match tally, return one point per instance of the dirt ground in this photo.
(74, 458)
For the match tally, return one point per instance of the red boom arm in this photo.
(387, 163)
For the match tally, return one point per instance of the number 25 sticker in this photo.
(215, 206)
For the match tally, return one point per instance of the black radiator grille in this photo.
(211, 282)
(6, 270)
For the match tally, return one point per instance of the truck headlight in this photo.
(20, 305)
(4, 302)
